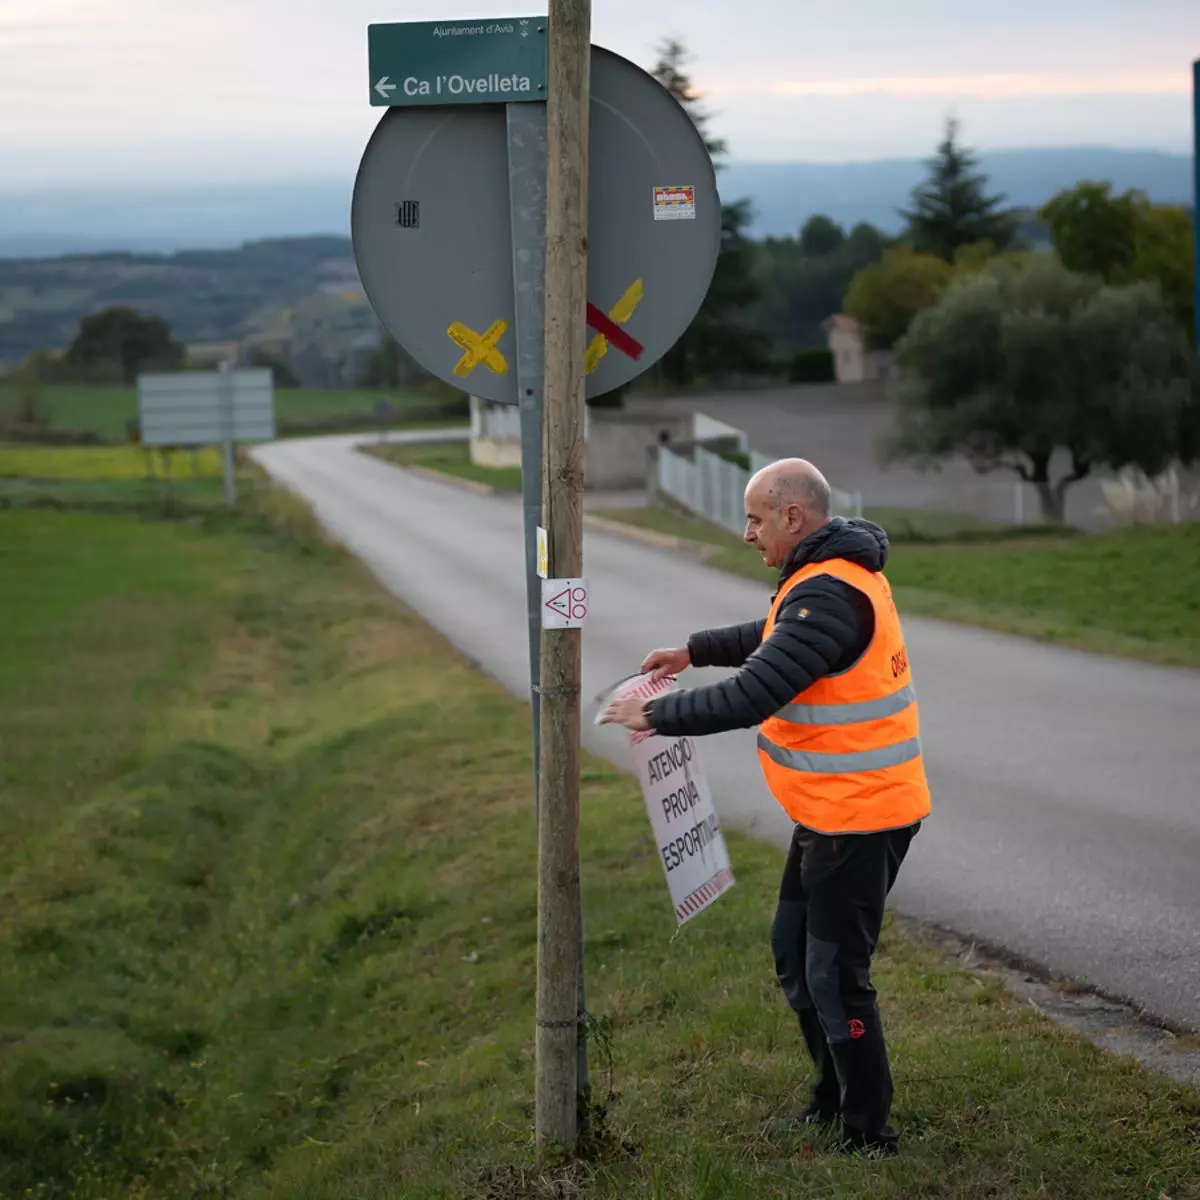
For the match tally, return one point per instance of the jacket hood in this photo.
(861, 542)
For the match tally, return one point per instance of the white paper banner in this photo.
(691, 847)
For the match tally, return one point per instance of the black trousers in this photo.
(831, 902)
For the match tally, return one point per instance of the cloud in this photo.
(109, 89)
(989, 87)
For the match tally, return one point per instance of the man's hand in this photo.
(667, 662)
(629, 712)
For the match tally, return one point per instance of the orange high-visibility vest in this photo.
(845, 755)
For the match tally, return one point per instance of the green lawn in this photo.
(1135, 592)
(267, 874)
(450, 458)
(106, 410)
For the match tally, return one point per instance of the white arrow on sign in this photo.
(383, 87)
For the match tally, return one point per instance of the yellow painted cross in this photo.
(620, 312)
(479, 348)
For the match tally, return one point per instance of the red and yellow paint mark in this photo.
(621, 312)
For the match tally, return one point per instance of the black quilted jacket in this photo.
(823, 627)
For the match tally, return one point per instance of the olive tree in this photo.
(1018, 362)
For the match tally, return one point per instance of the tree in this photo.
(800, 290)
(43, 366)
(885, 298)
(119, 343)
(1125, 238)
(282, 374)
(1165, 254)
(669, 71)
(865, 244)
(722, 338)
(1016, 364)
(951, 209)
(1093, 231)
(390, 365)
(29, 413)
(821, 237)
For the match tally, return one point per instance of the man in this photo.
(826, 678)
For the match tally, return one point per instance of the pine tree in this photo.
(669, 71)
(719, 340)
(951, 209)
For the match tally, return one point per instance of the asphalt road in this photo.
(1066, 823)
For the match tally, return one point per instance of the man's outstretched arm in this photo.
(822, 623)
(726, 647)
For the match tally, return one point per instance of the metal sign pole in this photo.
(227, 434)
(1196, 193)
(526, 125)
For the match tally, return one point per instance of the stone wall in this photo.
(620, 442)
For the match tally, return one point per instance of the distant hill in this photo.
(65, 254)
(299, 296)
(161, 220)
(784, 196)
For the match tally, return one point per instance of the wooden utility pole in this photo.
(558, 1031)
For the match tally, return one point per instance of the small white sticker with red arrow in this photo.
(564, 603)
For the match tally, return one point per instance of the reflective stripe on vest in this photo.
(845, 755)
(842, 764)
(848, 714)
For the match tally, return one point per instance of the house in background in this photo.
(852, 361)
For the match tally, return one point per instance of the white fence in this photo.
(704, 428)
(708, 485)
(715, 489)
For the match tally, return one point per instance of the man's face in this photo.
(774, 531)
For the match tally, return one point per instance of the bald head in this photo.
(796, 481)
(785, 503)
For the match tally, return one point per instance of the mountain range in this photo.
(783, 195)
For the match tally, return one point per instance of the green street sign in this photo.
(495, 61)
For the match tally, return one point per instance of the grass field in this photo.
(266, 868)
(118, 478)
(107, 410)
(119, 462)
(1135, 592)
(452, 458)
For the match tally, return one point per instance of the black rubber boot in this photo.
(866, 1083)
(884, 1143)
(817, 1116)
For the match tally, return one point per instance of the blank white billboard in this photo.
(206, 408)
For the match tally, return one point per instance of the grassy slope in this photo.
(450, 459)
(106, 410)
(267, 876)
(1135, 592)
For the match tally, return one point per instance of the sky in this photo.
(102, 93)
